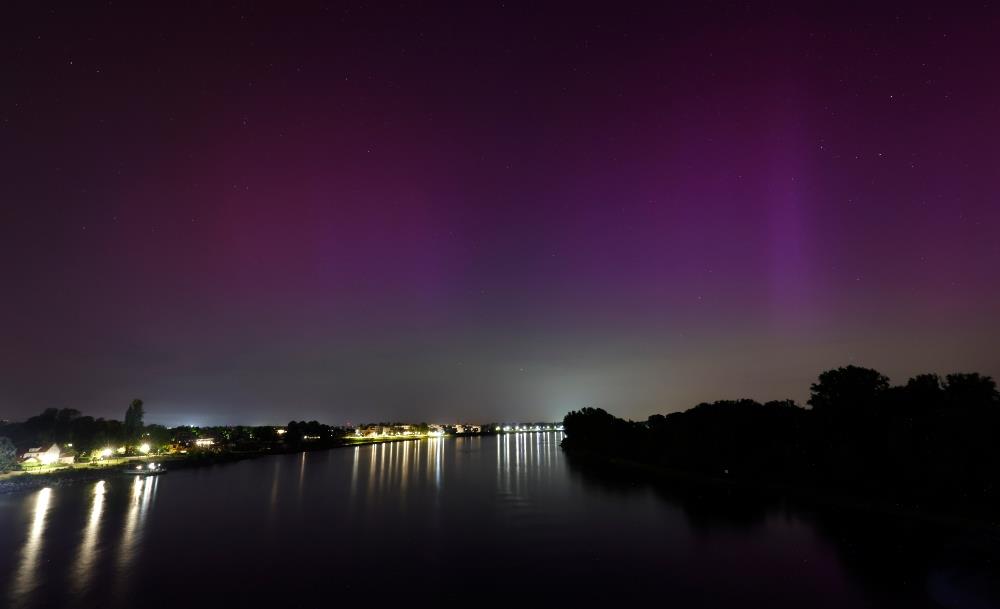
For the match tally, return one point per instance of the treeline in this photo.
(68, 426)
(297, 432)
(84, 434)
(932, 440)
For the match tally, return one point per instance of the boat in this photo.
(144, 469)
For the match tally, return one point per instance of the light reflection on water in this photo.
(354, 473)
(418, 509)
(261, 532)
(111, 541)
(141, 494)
(522, 457)
(393, 469)
(275, 477)
(109, 551)
(27, 573)
(86, 557)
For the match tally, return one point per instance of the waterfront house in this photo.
(46, 456)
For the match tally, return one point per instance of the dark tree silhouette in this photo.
(133, 421)
(970, 391)
(925, 442)
(848, 389)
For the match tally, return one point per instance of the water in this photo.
(482, 519)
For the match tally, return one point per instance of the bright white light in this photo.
(105, 453)
(144, 447)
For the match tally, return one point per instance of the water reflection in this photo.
(624, 537)
(273, 504)
(302, 480)
(27, 574)
(86, 557)
(140, 496)
(354, 472)
(525, 462)
(404, 473)
(521, 456)
(396, 468)
(139, 501)
(435, 459)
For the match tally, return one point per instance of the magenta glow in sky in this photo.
(497, 212)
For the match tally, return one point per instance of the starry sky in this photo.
(489, 210)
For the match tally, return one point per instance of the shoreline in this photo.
(804, 496)
(18, 481)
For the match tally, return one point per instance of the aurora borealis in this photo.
(489, 211)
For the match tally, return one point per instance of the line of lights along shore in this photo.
(516, 428)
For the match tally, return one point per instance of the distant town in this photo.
(65, 439)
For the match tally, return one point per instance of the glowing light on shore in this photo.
(144, 448)
(106, 452)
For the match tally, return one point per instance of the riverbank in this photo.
(17, 481)
(802, 495)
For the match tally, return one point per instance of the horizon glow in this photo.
(490, 213)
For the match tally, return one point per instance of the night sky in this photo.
(489, 211)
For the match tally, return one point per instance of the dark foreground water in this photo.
(505, 519)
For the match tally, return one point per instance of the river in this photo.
(495, 519)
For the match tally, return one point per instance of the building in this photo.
(46, 456)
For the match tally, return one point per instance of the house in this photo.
(46, 456)
(373, 431)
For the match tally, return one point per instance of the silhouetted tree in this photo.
(921, 395)
(158, 435)
(970, 391)
(133, 421)
(847, 389)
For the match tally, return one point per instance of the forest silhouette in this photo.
(932, 441)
